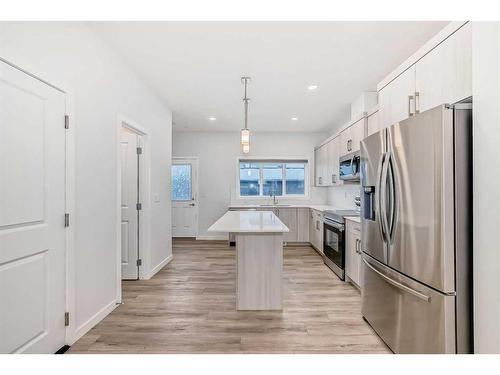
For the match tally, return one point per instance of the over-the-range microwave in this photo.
(349, 166)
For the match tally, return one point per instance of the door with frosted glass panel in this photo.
(184, 197)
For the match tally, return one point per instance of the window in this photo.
(272, 177)
(181, 182)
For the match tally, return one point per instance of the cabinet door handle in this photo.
(410, 98)
(333, 178)
(321, 180)
(417, 102)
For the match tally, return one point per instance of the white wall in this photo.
(343, 196)
(218, 153)
(101, 86)
(486, 88)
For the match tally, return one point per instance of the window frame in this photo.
(283, 161)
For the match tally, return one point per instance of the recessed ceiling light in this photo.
(295, 119)
(312, 87)
(211, 118)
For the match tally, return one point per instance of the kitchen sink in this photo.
(275, 205)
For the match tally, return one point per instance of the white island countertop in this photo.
(249, 222)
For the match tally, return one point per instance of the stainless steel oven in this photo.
(334, 245)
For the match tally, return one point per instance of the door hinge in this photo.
(66, 220)
(66, 122)
(66, 319)
(138, 206)
(139, 150)
(139, 262)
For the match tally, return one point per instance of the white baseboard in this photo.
(157, 268)
(213, 237)
(92, 322)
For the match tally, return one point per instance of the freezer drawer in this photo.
(408, 316)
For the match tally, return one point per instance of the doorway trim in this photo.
(196, 185)
(144, 198)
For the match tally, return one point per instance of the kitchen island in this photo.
(259, 257)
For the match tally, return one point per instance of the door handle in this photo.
(417, 102)
(191, 204)
(410, 98)
(407, 289)
(334, 178)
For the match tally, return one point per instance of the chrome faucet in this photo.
(275, 201)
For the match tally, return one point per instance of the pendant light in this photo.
(245, 133)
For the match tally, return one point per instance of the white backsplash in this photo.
(343, 196)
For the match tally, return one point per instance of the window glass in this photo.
(272, 179)
(249, 179)
(181, 182)
(266, 178)
(295, 177)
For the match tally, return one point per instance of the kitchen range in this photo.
(334, 246)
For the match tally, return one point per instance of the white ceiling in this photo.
(196, 67)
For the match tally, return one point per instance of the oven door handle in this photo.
(333, 224)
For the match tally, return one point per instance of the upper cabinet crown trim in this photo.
(445, 33)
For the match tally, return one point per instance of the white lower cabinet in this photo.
(353, 251)
(297, 221)
(289, 217)
(316, 230)
(302, 224)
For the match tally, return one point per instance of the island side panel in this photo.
(259, 271)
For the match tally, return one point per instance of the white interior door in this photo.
(32, 205)
(130, 143)
(184, 197)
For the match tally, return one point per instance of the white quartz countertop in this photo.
(249, 222)
(356, 219)
(318, 207)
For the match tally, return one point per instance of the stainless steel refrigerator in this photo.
(417, 232)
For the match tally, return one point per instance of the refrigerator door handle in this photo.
(383, 197)
(395, 199)
(407, 289)
(392, 199)
(378, 192)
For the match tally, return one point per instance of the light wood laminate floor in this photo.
(189, 307)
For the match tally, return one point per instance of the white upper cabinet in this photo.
(351, 136)
(372, 124)
(396, 100)
(444, 75)
(440, 75)
(320, 166)
(333, 162)
(358, 132)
